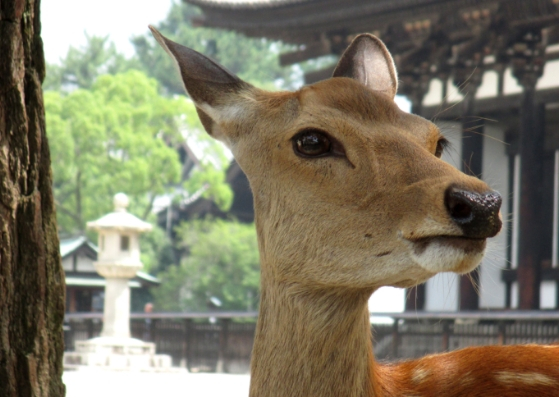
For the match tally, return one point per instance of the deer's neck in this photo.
(312, 344)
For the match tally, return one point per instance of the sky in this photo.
(65, 22)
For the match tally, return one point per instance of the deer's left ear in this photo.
(367, 60)
(220, 96)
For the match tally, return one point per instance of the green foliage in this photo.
(254, 60)
(82, 66)
(223, 262)
(209, 176)
(117, 136)
(157, 250)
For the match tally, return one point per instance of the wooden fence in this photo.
(222, 342)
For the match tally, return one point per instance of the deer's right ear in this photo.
(368, 61)
(216, 92)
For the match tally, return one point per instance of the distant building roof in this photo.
(70, 245)
(426, 37)
(303, 21)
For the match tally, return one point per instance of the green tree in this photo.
(209, 177)
(117, 136)
(253, 59)
(157, 251)
(81, 66)
(223, 262)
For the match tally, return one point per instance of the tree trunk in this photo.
(31, 276)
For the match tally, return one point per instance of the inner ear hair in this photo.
(368, 61)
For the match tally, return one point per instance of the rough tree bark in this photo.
(31, 277)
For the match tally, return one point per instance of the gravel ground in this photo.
(96, 383)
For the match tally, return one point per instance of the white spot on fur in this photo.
(223, 114)
(420, 374)
(529, 378)
(467, 379)
(439, 257)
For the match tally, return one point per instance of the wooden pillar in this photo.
(222, 363)
(472, 155)
(527, 63)
(467, 77)
(529, 244)
(72, 300)
(188, 339)
(446, 336)
(511, 147)
(395, 339)
(415, 298)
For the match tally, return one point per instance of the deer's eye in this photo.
(312, 143)
(441, 145)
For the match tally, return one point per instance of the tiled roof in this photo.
(67, 246)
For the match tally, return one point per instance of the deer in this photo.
(350, 194)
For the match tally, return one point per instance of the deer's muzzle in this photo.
(477, 214)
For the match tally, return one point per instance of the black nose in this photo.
(477, 214)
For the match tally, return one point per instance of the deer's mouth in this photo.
(465, 244)
(448, 253)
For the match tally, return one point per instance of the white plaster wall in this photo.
(489, 85)
(453, 132)
(547, 295)
(85, 264)
(434, 94)
(511, 86)
(495, 173)
(550, 75)
(514, 295)
(68, 264)
(442, 292)
(453, 93)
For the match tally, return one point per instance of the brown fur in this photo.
(332, 230)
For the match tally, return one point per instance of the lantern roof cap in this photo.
(120, 219)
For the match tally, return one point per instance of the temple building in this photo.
(487, 72)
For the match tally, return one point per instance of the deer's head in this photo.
(349, 190)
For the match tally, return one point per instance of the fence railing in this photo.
(415, 334)
(222, 341)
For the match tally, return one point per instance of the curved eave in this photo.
(300, 21)
(294, 21)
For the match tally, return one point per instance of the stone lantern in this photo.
(118, 261)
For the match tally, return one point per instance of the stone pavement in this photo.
(99, 383)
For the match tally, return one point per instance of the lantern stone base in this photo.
(117, 354)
